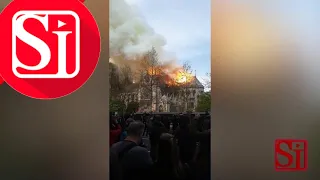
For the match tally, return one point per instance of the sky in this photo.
(186, 26)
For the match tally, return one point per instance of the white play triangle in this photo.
(60, 24)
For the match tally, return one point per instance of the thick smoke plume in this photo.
(131, 38)
(130, 34)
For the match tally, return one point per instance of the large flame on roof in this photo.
(175, 77)
(169, 74)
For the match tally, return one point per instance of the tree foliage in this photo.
(208, 81)
(204, 102)
(116, 105)
(150, 75)
(185, 93)
(120, 79)
(114, 81)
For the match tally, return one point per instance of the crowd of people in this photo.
(178, 148)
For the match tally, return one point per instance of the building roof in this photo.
(196, 83)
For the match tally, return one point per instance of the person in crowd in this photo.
(202, 161)
(122, 122)
(132, 160)
(175, 123)
(184, 154)
(126, 116)
(156, 129)
(115, 167)
(146, 122)
(186, 139)
(124, 132)
(168, 165)
(199, 123)
(115, 131)
(149, 121)
(165, 121)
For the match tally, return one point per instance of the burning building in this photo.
(161, 89)
(156, 85)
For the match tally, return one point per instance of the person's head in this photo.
(126, 116)
(113, 122)
(207, 123)
(195, 119)
(164, 119)
(157, 118)
(184, 121)
(135, 130)
(165, 148)
(168, 154)
(129, 121)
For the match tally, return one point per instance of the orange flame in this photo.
(155, 71)
(181, 77)
(175, 77)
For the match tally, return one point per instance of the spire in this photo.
(195, 73)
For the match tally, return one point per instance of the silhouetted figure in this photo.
(115, 131)
(186, 139)
(125, 129)
(202, 161)
(168, 165)
(156, 129)
(132, 160)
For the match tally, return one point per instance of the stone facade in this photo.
(163, 102)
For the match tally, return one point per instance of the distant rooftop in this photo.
(196, 83)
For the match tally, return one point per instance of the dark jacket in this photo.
(156, 129)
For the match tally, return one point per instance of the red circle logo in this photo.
(49, 49)
(1, 80)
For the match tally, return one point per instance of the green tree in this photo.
(204, 102)
(150, 67)
(184, 83)
(116, 105)
(207, 82)
(120, 80)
